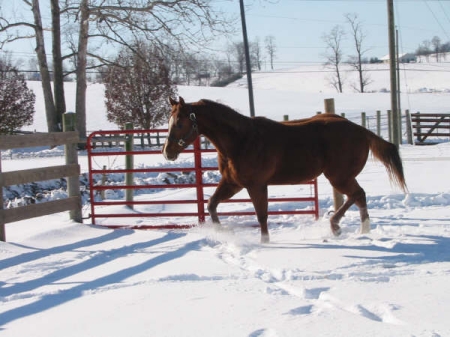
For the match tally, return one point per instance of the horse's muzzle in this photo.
(169, 156)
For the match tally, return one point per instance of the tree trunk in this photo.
(80, 101)
(360, 70)
(338, 76)
(52, 123)
(58, 78)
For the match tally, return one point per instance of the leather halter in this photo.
(194, 129)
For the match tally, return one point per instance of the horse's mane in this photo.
(225, 115)
(218, 105)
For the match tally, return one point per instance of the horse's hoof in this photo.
(265, 239)
(337, 231)
(365, 227)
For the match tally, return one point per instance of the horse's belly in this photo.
(291, 177)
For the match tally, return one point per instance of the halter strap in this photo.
(194, 128)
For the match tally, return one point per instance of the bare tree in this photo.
(334, 55)
(33, 68)
(190, 67)
(229, 52)
(183, 22)
(357, 61)
(271, 49)
(34, 29)
(436, 43)
(58, 69)
(239, 55)
(424, 49)
(256, 53)
(445, 48)
(115, 24)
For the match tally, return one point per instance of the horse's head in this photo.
(182, 129)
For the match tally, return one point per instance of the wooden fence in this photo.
(71, 170)
(430, 125)
(419, 125)
(141, 139)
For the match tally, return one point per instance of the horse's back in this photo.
(336, 141)
(345, 145)
(299, 150)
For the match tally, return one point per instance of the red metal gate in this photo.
(116, 140)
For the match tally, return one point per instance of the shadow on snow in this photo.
(52, 300)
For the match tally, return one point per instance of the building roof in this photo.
(385, 58)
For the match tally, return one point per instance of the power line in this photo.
(436, 19)
(443, 11)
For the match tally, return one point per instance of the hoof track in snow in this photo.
(291, 282)
(303, 310)
(264, 333)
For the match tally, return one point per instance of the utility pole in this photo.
(393, 74)
(399, 100)
(247, 61)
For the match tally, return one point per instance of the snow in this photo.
(60, 278)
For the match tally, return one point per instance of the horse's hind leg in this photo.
(355, 195)
(361, 202)
(224, 191)
(258, 194)
(336, 218)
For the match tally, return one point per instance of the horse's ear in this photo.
(181, 101)
(172, 101)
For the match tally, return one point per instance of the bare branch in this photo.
(357, 61)
(334, 56)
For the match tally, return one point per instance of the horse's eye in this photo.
(179, 125)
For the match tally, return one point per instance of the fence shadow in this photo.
(52, 300)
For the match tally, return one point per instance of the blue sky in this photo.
(298, 25)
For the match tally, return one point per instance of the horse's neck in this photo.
(221, 126)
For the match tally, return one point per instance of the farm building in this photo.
(402, 58)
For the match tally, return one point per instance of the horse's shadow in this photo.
(436, 249)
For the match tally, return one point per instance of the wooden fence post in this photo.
(73, 183)
(338, 198)
(363, 120)
(419, 131)
(389, 125)
(379, 123)
(158, 140)
(129, 165)
(408, 127)
(2, 223)
(285, 118)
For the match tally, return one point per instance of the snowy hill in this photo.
(308, 86)
(65, 279)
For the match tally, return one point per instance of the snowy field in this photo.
(60, 278)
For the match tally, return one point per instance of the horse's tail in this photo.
(388, 154)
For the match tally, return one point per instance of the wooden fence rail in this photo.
(430, 125)
(71, 170)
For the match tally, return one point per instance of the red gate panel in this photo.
(115, 139)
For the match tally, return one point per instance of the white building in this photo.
(402, 58)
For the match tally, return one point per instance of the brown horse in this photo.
(257, 152)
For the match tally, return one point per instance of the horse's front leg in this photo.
(225, 190)
(355, 194)
(258, 194)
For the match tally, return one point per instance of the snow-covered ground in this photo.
(60, 278)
